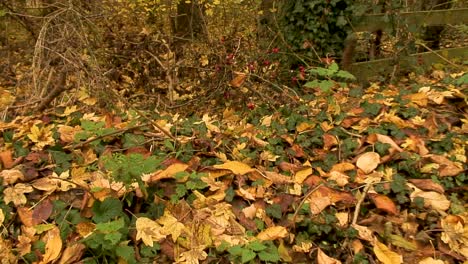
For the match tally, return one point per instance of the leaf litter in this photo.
(340, 178)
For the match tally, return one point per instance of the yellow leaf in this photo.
(2, 217)
(170, 225)
(273, 233)
(368, 161)
(148, 231)
(236, 167)
(16, 194)
(385, 255)
(322, 258)
(11, 176)
(283, 252)
(53, 246)
(301, 175)
(430, 260)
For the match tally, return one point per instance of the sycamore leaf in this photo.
(11, 176)
(148, 231)
(170, 225)
(385, 255)
(193, 256)
(368, 161)
(16, 194)
(236, 167)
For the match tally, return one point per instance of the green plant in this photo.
(327, 78)
(264, 251)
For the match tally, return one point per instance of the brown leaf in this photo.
(72, 253)
(25, 216)
(85, 228)
(42, 211)
(384, 203)
(427, 185)
(329, 141)
(238, 79)
(447, 167)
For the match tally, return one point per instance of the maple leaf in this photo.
(11, 176)
(193, 256)
(455, 232)
(41, 136)
(148, 231)
(16, 194)
(170, 225)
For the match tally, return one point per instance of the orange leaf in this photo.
(6, 158)
(384, 203)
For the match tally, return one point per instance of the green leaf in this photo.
(247, 255)
(112, 238)
(132, 140)
(235, 250)
(270, 255)
(111, 226)
(106, 210)
(126, 252)
(257, 246)
(274, 211)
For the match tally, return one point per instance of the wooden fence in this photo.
(372, 23)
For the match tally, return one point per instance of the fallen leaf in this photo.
(322, 258)
(235, 167)
(170, 225)
(427, 185)
(72, 253)
(11, 176)
(148, 231)
(168, 173)
(42, 212)
(301, 175)
(16, 194)
(53, 245)
(368, 161)
(238, 80)
(447, 167)
(384, 203)
(385, 255)
(272, 233)
(433, 200)
(6, 158)
(431, 260)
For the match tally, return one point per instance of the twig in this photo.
(440, 56)
(302, 203)
(358, 205)
(81, 144)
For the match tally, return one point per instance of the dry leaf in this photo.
(11, 176)
(273, 233)
(168, 173)
(368, 161)
(322, 258)
(16, 194)
(53, 246)
(6, 158)
(72, 254)
(236, 167)
(385, 255)
(148, 231)
(238, 79)
(433, 200)
(384, 203)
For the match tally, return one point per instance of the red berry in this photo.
(274, 50)
(251, 105)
